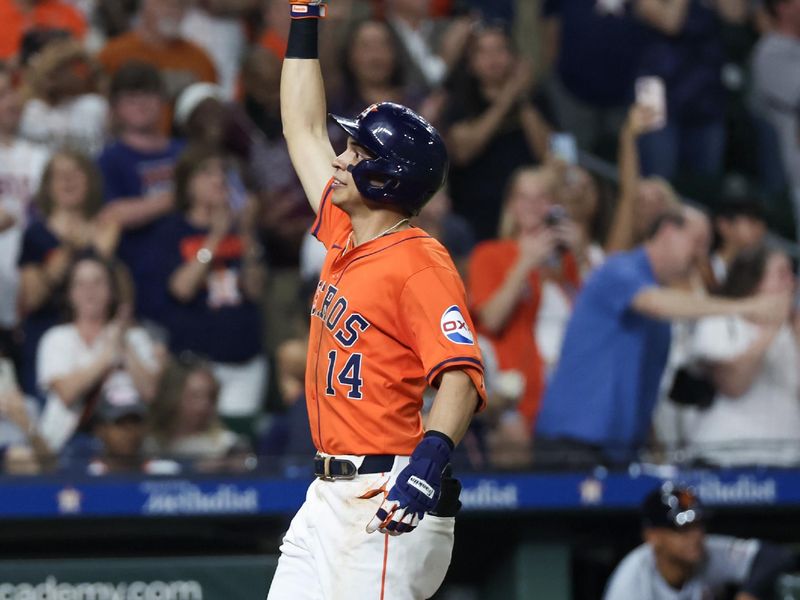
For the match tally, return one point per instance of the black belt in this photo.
(331, 468)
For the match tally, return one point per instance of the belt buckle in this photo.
(326, 471)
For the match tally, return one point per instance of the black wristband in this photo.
(303, 39)
(441, 436)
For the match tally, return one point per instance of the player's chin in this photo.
(342, 196)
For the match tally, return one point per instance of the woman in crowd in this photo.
(216, 276)
(506, 275)
(96, 344)
(495, 127)
(69, 198)
(577, 192)
(755, 416)
(65, 108)
(371, 69)
(184, 420)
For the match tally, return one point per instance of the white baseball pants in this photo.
(328, 555)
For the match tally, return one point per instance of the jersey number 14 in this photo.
(349, 375)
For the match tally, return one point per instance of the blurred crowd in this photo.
(156, 267)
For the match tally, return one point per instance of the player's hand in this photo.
(416, 490)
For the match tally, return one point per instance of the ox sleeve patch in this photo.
(455, 327)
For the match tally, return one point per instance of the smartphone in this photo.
(8, 380)
(563, 146)
(556, 215)
(652, 93)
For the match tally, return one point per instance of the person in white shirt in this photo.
(66, 109)
(678, 561)
(755, 416)
(77, 358)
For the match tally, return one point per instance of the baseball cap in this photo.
(119, 398)
(673, 506)
(192, 96)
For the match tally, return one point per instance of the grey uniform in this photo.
(728, 561)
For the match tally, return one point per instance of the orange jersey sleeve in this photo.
(433, 309)
(332, 223)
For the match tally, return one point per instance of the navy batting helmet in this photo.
(410, 158)
(673, 506)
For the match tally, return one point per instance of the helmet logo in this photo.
(454, 327)
(369, 109)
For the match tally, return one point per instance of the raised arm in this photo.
(621, 236)
(303, 110)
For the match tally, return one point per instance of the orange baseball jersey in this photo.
(515, 345)
(389, 316)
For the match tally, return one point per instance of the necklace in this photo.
(392, 228)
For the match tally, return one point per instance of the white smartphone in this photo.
(564, 147)
(8, 381)
(652, 93)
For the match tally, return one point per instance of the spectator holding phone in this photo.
(754, 418)
(641, 200)
(76, 358)
(213, 258)
(506, 276)
(495, 127)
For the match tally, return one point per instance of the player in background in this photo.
(389, 318)
(678, 561)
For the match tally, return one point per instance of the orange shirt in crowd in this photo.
(515, 345)
(181, 62)
(46, 14)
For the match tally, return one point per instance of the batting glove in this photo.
(307, 9)
(416, 490)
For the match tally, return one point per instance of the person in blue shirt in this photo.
(599, 403)
(137, 171)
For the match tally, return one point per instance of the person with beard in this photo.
(679, 561)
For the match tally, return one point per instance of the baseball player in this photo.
(389, 318)
(678, 561)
